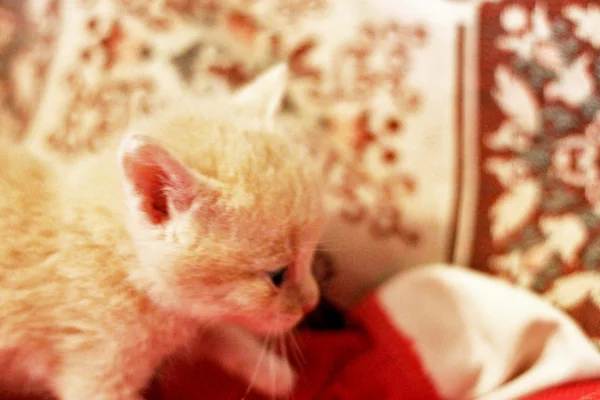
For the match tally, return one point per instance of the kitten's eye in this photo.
(277, 277)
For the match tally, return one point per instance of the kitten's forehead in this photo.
(282, 237)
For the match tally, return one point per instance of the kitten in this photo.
(205, 218)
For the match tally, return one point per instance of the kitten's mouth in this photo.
(270, 326)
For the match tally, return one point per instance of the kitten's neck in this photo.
(93, 210)
(95, 215)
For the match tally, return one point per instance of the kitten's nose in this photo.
(310, 296)
(306, 308)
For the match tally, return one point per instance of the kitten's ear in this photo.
(264, 94)
(158, 183)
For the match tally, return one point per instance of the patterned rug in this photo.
(539, 145)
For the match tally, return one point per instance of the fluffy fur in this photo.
(108, 269)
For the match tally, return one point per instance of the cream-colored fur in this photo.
(108, 269)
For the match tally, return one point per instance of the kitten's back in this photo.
(28, 233)
(63, 285)
(27, 215)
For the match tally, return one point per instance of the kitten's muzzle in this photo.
(309, 296)
(306, 308)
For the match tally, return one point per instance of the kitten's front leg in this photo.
(83, 389)
(89, 380)
(245, 356)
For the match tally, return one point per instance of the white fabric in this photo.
(480, 338)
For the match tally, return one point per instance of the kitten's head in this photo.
(224, 210)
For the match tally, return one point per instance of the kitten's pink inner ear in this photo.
(162, 182)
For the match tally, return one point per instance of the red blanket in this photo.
(369, 359)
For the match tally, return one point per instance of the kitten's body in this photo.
(57, 307)
(99, 284)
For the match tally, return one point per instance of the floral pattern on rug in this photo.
(100, 102)
(365, 168)
(540, 151)
(119, 72)
(28, 34)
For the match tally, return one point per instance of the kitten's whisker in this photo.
(272, 364)
(279, 354)
(255, 373)
(284, 346)
(297, 343)
(297, 351)
(283, 337)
